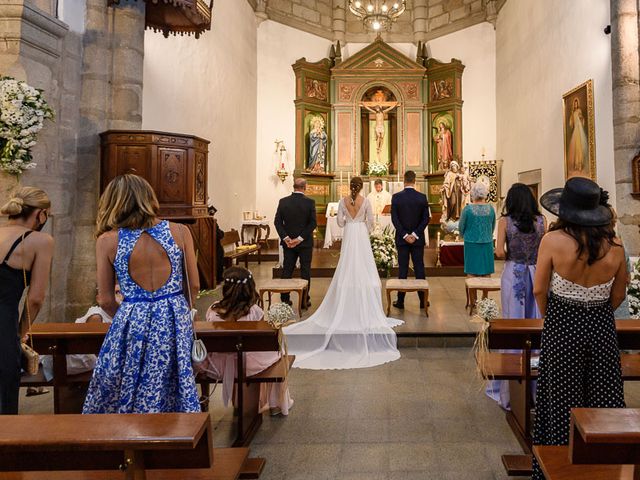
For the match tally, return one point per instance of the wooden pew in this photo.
(132, 443)
(525, 335)
(61, 339)
(604, 443)
(232, 237)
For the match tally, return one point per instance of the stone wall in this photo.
(93, 81)
(423, 19)
(625, 68)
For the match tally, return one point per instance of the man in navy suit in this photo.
(295, 222)
(410, 216)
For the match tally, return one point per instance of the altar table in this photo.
(452, 254)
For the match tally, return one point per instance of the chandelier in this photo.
(377, 15)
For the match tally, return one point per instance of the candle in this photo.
(398, 176)
(340, 177)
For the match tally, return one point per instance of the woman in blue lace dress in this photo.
(144, 365)
(520, 230)
(477, 222)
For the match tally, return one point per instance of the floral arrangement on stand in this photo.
(486, 310)
(384, 250)
(633, 290)
(23, 110)
(378, 169)
(278, 316)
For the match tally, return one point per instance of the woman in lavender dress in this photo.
(520, 231)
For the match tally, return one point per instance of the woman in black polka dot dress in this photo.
(580, 280)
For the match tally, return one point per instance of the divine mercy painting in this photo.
(579, 132)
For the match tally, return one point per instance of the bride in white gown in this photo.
(349, 329)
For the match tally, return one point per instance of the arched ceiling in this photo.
(422, 21)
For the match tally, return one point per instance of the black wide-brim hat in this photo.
(579, 202)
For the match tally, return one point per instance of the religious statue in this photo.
(379, 106)
(444, 142)
(455, 192)
(317, 146)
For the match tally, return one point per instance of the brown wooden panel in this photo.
(172, 175)
(133, 159)
(413, 139)
(344, 139)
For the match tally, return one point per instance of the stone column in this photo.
(420, 20)
(111, 99)
(625, 69)
(339, 21)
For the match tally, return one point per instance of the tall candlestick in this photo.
(340, 177)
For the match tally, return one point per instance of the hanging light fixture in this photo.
(377, 15)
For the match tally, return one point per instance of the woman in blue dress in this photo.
(477, 222)
(144, 365)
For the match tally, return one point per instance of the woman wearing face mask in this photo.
(25, 256)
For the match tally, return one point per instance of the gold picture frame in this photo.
(579, 132)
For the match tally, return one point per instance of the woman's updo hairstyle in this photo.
(238, 294)
(24, 202)
(355, 186)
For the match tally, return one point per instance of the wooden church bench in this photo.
(61, 339)
(232, 237)
(131, 443)
(525, 335)
(604, 443)
(228, 464)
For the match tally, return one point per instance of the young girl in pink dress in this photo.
(239, 305)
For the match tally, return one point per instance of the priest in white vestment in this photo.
(379, 198)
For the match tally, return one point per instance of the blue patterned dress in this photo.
(144, 365)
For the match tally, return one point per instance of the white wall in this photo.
(279, 47)
(544, 48)
(207, 87)
(476, 48)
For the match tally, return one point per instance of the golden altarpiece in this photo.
(376, 115)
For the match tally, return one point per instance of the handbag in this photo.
(33, 359)
(198, 349)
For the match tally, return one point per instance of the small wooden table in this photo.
(484, 284)
(407, 285)
(285, 285)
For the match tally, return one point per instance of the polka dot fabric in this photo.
(579, 361)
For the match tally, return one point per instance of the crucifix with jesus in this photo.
(379, 106)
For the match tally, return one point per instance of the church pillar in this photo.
(111, 99)
(625, 68)
(420, 20)
(339, 21)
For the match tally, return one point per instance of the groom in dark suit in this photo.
(410, 216)
(295, 222)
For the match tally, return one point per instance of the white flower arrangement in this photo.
(378, 169)
(279, 315)
(487, 309)
(633, 291)
(384, 250)
(23, 110)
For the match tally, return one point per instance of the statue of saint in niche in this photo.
(455, 192)
(317, 145)
(379, 107)
(444, 141)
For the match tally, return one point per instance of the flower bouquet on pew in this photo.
(279, 316)
(633, 291)
(486, 310)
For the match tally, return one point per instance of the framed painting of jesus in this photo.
(579, 132)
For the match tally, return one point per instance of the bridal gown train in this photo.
(349, 329)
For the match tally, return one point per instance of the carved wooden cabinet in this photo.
(175, 165)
